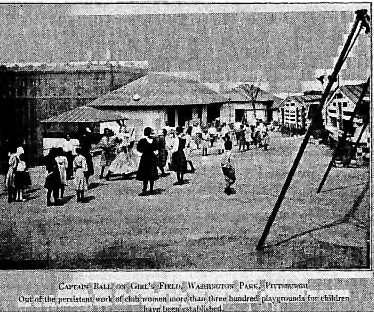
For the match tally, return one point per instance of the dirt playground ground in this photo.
(197, 226)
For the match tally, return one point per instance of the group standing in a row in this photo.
(170, 148)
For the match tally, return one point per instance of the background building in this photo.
(338, 111)
(248, 102)
(31, 92)
(296, 110)
(157, 98)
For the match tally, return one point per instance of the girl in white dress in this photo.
(80, 167)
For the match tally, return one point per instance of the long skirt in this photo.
(122, 164)
(9, 179)
(63, 175)
(107, 158)
(89, 161)
(80, 180)
(22, 179)
(198, 138)
(178, 162)
(162, 158)
(52, 181)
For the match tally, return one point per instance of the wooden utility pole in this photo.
(361, 18)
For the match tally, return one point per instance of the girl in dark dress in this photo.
(178, 158)
(162, 152)
(53, 180)
(85, 145)
(147, 170)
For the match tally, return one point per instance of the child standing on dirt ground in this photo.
(20, 178)
(205, 142)
(228, 168)
(80, 167)
(265, 140)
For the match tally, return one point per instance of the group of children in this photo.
(57, 165)
(244, 135)
(57, 162)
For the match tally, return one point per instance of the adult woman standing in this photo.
(178, 158)
(147, 170)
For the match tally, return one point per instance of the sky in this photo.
(173, 8)
(282, 45)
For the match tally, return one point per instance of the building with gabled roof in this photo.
(296, 111)
(248, 102)
(157, 98)
(338, 111)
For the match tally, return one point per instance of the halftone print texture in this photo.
(185, 69)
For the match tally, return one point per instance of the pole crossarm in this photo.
(361, 17)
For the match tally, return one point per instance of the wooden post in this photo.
(176, 120)
(361, 16)
(297, 117)
(303, 117)
(204, 115)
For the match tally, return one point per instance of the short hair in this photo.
(147, 131)
(228, 145)
(22, 157)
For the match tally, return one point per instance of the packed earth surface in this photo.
(196, 226)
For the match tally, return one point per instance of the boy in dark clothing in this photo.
(228, 168)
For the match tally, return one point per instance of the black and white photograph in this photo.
(185, 137)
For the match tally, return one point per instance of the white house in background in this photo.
(296, 110)
(339, 109)
(248, 102)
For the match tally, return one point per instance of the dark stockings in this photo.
(80, 196)
(102, 172)
(145, 184)
(11, 194)
(191, 165)
(180, 177)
